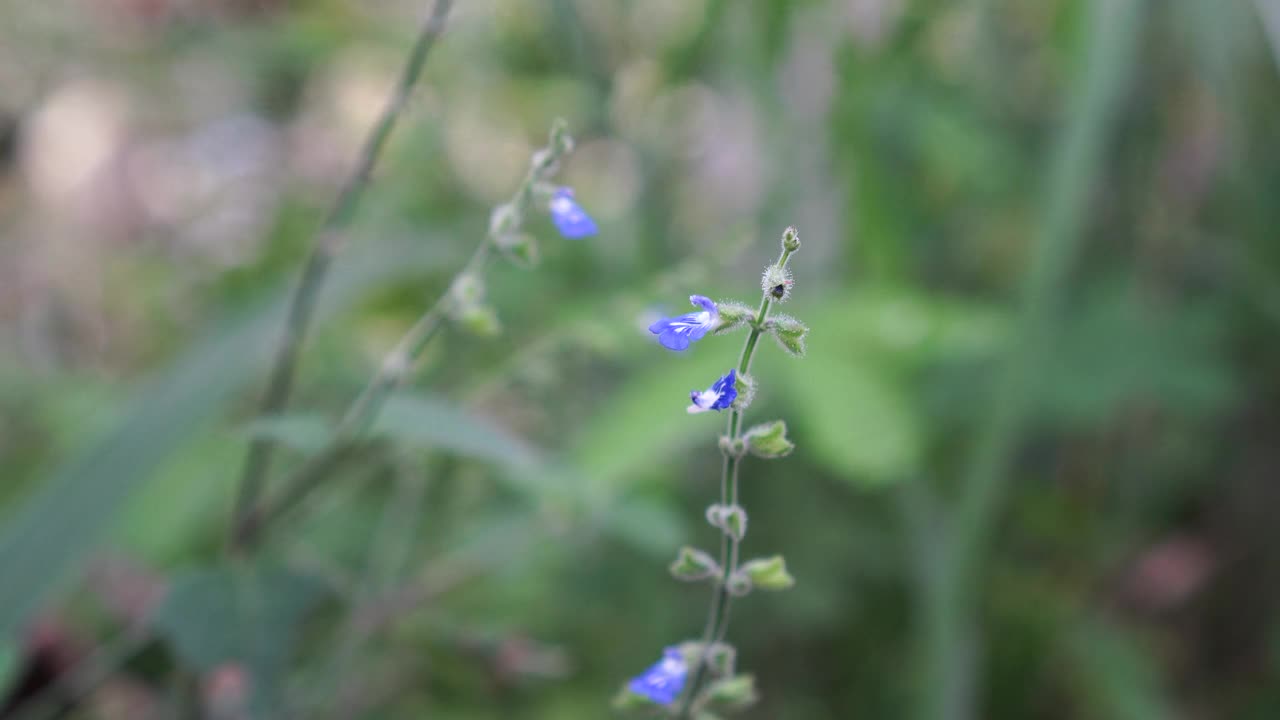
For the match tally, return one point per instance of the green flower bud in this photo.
(790, 240)
(560, 141)
(746, 387)
(768, 573)
(732, 693)
(789, 332)
(721, 658)
(776, 282)
(732, 316)
(480, 319)
(769, 440)
(692, 565)
(739, 584)
(504, 220)
(467, 289)
(729, 519)
(732, 447)
(520, 248)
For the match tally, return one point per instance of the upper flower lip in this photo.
(570, 219)
(677, 333)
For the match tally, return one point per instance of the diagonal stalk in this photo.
(325, 246)
(352, 431)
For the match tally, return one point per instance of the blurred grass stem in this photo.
(325, 246)
(1110, 42)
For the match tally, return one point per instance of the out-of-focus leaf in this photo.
(856, 420)
(8, 664)
(423, 420)
(1113, 352)
(246, 617)
(51, 532)
(1116, 677)
(648, 526)
(304, 433)
(644, 421)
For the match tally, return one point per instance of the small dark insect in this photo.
(779, 291)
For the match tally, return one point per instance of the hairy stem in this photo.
(721, 600)
(325, 245)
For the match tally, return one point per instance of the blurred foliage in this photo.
(502, 553)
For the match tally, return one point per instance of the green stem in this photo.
(721, 600)
(356, 422)
(325, 246)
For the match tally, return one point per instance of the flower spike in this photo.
(718, 397)
(571, 220)
(677, 333)
(664, 680)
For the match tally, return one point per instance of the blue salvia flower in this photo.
(571, 220)
(664, 680)
(677, 333)
(718, 397)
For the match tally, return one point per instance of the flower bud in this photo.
(691, 565)
(467, 289)
(504, 220)
(769, 440)
(729, 519)
(746, 387)
(732, 315)
(789, 332)
(732, 447)
(732, 693)
(721, 658)
(520, 248)
(790, 240)
(777, 283)
(768, 573)
(734, 522)
(560, 142)
(739, 584)
(480, 319)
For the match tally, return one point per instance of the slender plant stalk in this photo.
(950, 596)
(325, 246)
(351, 432)
(721, 599)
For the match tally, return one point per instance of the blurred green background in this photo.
(1037, 426)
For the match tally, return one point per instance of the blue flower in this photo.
(571, 220)
(664, 680)
(676, 333)
(718, 397)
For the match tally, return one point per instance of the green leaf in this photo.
(768, 573)
(427, 421)
(304, 433)
(870, 433)
(1116, 677)
(691, 565)
(248, 617)
(769, 440)
(65, 517)
(790, 333)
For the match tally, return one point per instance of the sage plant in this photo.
(463, 303)
(698, 678)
